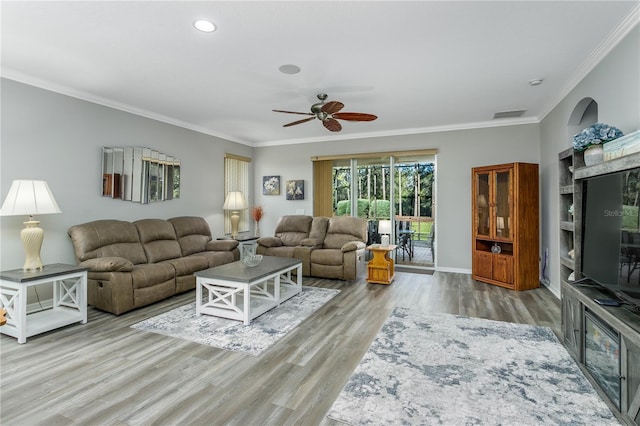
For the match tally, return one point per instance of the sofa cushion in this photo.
(152, 274)
(327, 257)
(293, 229)
(188, 265)
(158, 237)
(192, 232)
(344, 229)
(217, 258)
(319, 228)
(107, 238)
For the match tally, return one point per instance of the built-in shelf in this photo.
(566, 189)
(615, 165)
(566, 226)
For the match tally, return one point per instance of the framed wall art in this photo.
(270, 185)
(295, 190)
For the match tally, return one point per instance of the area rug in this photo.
(427, 369)
(253, 339)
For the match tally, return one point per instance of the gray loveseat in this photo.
(134, 264)
(328, 247)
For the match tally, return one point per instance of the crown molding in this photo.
(599, 53)
(403, 132)
(11, 74)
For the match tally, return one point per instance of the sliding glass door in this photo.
(396, 188)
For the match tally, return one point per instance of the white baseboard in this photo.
(455, 270)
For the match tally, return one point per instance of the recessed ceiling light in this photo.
(289, 69)
(204, 26)
(536, 82)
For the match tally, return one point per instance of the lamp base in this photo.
(235, 219)
(32, 237)
(384, 240)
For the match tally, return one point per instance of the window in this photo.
(236, 178)
(396, 186)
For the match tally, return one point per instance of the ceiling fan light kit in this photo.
(329, 113)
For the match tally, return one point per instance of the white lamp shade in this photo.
(235, 201)
(384, 227)
(29, 197)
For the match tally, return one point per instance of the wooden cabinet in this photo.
(505, 224)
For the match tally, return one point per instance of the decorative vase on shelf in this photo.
(256, 233)
(593, 155)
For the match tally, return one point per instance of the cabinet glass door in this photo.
(503, 204)
(482, 204)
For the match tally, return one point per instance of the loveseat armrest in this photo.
(353, 245)
(311, 242)
(270, 242)
(222, 245)
(304, 254)
(108, 264)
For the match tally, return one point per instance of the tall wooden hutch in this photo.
(505, 244)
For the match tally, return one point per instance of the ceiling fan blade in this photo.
(332, 107)
(354, 116)
(332, 125)
(304, 120)
(292, 112)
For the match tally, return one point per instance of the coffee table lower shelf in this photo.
(238, 292)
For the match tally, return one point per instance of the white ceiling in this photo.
(419, 65)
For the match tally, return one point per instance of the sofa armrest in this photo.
(270, 242)
(108, 264)
(310, 242)
(222, 245)
(353, 245)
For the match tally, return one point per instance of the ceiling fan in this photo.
(329, 113)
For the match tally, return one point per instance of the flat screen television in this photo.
(611, 233)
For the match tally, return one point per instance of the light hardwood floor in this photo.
(106, 373)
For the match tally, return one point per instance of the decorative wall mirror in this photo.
(141, 175)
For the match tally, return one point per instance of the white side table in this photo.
(69, 284)
(246, 245)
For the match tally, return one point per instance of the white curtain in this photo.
(236, 178)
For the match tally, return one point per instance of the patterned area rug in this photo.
(444, 369)
(253, 339)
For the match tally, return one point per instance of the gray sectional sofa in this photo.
(134, 264)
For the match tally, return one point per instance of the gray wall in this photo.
(458, 152)
(615, 85)
(59, 139)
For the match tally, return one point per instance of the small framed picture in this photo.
(295, 190)
(270, 185)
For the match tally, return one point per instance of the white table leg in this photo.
(21, 311)
(247, 304)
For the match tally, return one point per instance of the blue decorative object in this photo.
(595, 134)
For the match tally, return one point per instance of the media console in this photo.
(605, 341)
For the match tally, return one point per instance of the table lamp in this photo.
(234, 202)
(30, 197)
(384, 229)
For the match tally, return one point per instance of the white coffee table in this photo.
(239, 292)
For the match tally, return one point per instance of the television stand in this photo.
(631, 303)
(577, 305)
